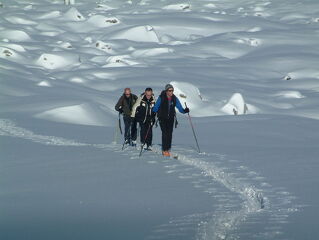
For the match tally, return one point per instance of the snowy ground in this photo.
(62, 69)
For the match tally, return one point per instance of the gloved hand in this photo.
(153, 115)
(186, 110)
(120, 110)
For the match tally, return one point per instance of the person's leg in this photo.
(163, 124)
(149, 135)
(133, 129)
(143, 132)
(127, 124)
(170, 127)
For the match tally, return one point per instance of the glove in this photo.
(120, 110)
(153, 115)
(186, 110)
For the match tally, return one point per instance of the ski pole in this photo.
(120, 125)
(148, 130)
(190, 121)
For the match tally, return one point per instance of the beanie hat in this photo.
(168, 86)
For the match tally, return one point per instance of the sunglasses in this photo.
(171, 90)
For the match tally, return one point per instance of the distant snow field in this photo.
(248, 71)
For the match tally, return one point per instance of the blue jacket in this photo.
(167, 111)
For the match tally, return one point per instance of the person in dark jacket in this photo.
(165, 109)
(145, 116)
(124, 106)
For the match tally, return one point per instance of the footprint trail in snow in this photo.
(246, 197)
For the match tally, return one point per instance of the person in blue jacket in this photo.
(165, 109)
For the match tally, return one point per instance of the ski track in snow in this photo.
(243, 188)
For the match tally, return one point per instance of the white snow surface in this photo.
(248, 71)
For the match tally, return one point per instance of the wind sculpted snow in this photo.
(247, 70)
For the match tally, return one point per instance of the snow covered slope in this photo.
(248, 70)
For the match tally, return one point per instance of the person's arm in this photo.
(179, 106)
(157, 105)
(137, 103)
(119, 104)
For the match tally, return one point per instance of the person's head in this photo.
(148, 93)
(127, 92)
(169, 89)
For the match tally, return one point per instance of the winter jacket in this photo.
(144, 108)
(126, 104)
(166, 109)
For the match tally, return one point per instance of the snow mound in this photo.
(83, 114)
(53, 14)
(44, 84)
(73, 15)
(20, 20)
(187, 92)
(236, 106)
(101, 21)
(210, 5)
(15, 35)
(105, 47)
(151, 52)
(181, 6)
(103, 7)
(13, 46)
(249, 41)
(289, 94)
(55, 61)
(9, 54)
(190, 94)
(138, 34)
(120, 61)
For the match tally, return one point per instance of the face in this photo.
(127, 93)
(148, 94)
(170, 92)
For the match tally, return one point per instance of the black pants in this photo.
(167, 126)
(144, 128)
(130, 128)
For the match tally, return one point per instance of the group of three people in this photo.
(143, 110)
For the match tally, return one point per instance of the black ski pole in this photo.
(120, 125)
(190, 120)
(148, 130)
